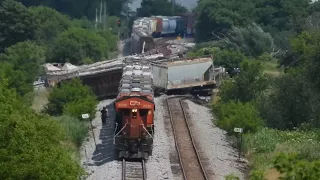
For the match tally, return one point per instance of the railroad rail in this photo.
(188, 154)
(134, 170)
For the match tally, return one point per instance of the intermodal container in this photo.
(168, 26)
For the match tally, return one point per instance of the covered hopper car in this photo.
(135, 111)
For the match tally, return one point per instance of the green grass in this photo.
(270, 67)
(40, 99)
(263, 146)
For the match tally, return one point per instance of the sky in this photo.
(187, 3)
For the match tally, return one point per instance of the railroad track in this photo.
(190, 162)
(134, 170)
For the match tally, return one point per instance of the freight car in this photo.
(140, 41)
(135, 111)
(141, 38)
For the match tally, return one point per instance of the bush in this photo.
(237, 114)
(76, 130)
(231, 177)
(31, 144)
(261, 147)
(295, 168)
(79, 107)
(71, 98)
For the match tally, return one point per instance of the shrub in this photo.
(79, 107)
(295, 168)
(231, 177)
(76, 131)
(31, 144)
(72, 98)
(261, 147)
(237, 114)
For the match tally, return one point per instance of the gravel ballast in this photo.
(100, 162)
(213, 144)
(158, 165)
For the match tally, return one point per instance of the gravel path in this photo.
(213, 144)
(99, 162)
(158, 165)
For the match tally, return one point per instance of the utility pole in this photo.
(105, 16)
(127, 24)
(96, 18)
(173, 2)
(100, 12)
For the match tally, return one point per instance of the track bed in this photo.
(133, 170)
(191, 165)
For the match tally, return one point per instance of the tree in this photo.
(215, 17)
(72, 98)
(228, 58)
(84, 7)
(111, 39)
(21, 65)
(31, 144)
(17, 24)
(237, 114)
(250, 40)
(51, 23)
(246, 86)
(159, 7)
(76, 44)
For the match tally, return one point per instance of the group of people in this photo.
(104, 114)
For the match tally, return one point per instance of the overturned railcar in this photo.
(184, 75)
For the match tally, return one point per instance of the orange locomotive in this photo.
(135, 111)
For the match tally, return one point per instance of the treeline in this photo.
(32, 36)
(44, 145)
(80, 8)
(278, 110)
(160, 7)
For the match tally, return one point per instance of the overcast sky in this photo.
(187, 3)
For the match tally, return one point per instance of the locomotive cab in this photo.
(134, 132)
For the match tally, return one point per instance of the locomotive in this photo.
(135, 111)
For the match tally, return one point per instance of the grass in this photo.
(270, 67)
(40, 99)
(261, 148)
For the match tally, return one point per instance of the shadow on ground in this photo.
(105, 152)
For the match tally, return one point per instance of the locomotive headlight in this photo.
(134, 110)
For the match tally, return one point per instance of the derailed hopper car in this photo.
(135, 111)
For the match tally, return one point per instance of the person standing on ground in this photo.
(104, 115)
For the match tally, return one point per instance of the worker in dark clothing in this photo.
(104, 113)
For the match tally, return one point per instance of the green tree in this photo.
(228, 58)
(247, 86)
(31, 144)
(159, 7)
(76, 44)
(72, 98)
(16, 24)
(21, 65)
(51, 23)
(237, 114)
(111, 39)
(80, 8)
(215, 17)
